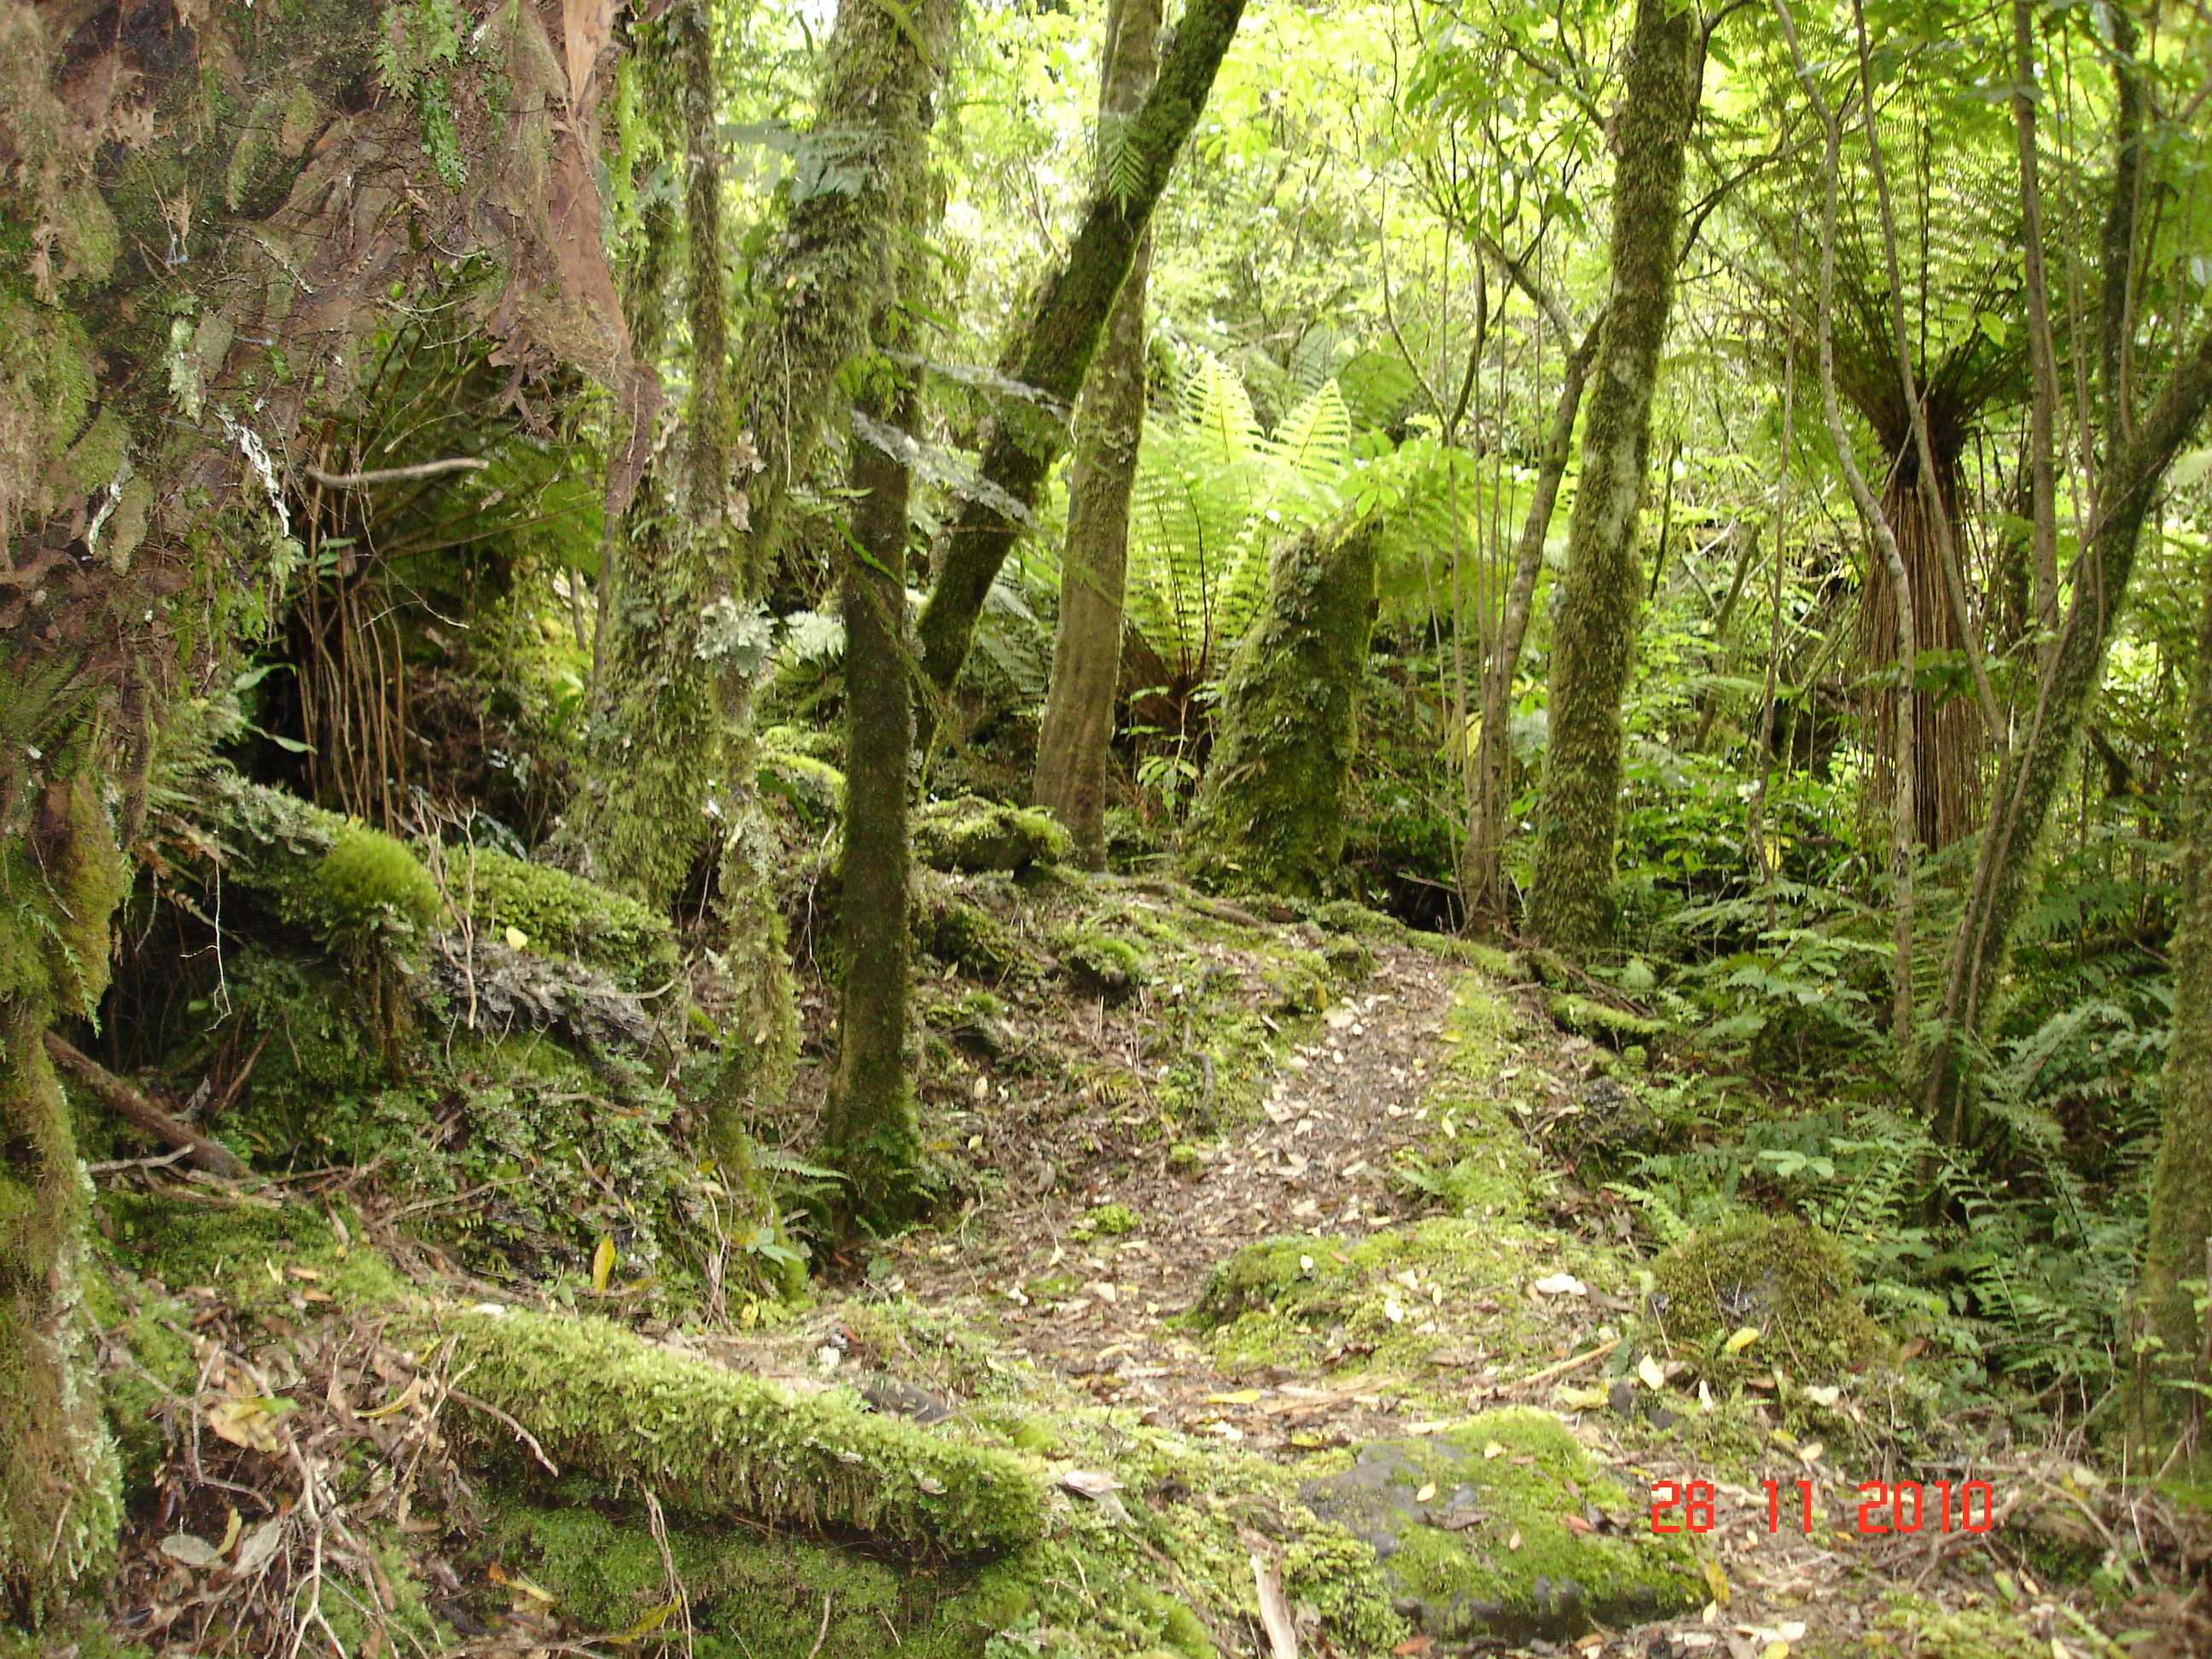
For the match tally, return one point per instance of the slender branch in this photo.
(394, 474)
(134, 1108)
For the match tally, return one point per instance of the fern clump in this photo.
(1789, 1283)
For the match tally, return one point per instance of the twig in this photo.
(1552, 1372)
(1274, 1610)
(492, 1411)
(134, 1108)
(394, 474)
(822, 1635)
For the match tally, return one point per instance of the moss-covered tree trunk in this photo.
(669, 735)
(2180, 1235)
(1594, 634)
(1052, 352)
(1087, 658)
(869, 1131)
(1269, 816)
(60, 1503)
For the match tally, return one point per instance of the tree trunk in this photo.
(2005, 864)
(2180, 1196)
(59, 1498)
(688, 636)
(1482, 858)
(1053, 352)
(1077, 730)
(869, 1129)
(1570, 902)
(1269, 816)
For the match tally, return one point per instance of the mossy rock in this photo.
(1100, 965)
(971, 835)
(961, 933)
(801, 766)
(1790, 1283)
(1471, 1530)
(1260, 1278)
(1607, 1127)
(368, 879)
(560, 915)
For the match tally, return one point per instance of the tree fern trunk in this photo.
(1078, 711)
(1269, 816)
(1593, 637)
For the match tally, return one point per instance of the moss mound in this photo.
(1777, 1276)
(1503, 1530)
(972, 834)
(563, 915)
(369, 879)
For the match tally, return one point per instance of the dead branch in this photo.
(134, 1108)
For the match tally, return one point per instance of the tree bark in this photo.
(670, 729)
(869, 1129)
(1269, 816)
(1053, 352)
(2043, 409)
(1570, 902)
(1078, 730)
(2180, 1197)
(1482, 858)
(59, 1498)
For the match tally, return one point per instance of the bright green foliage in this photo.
(370, 881)
(972, 834)
(1213, 496)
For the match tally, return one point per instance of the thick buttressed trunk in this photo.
(1482, 858)
(1269, 816)
(1947, 734)
(61, 880)
(869, 1130)
(1078, 730)
(2180, 1235)
(688, 638)
(1059, 337)
(1594, 634)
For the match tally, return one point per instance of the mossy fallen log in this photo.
(716, 1444)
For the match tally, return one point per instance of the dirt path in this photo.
(1099, 1307)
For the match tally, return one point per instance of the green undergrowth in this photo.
(559, 915)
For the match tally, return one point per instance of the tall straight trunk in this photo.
(1109, 424)
(2180, 1197)
(687, 634)
(1570, 902)
(1269, 816)
(869, 1131)
(61, 880)
(2043, 406)
(1059, 336)
(1482, 858)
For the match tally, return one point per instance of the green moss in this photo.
(1107, 1221)
(972, 834)
(1601, 1022)
(1100, 965)
(963, 934)
(367, 878)
(1775, 1275)
(1487, 1552)
(719, 1444)
(559, 915)
(1925, 1627)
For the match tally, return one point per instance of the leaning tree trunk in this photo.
(59, 1498)
(1570, 902)
(1052, 353)
(2175, 1251)
(869, 1131)
(1269, 816)
(2005, 863)
(1109, 424)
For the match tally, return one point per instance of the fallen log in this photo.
(134, 1108)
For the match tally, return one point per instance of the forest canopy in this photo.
(1105, 827)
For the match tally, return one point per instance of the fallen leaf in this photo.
(603, 1263)
(249, 1422)
(1493, 1449)
(1653, 1374)
(259, 1547)
(1427, 1491)
(1581, 1399)
(517, 940)
(1235, 1397)
(1093, 1484)
(1514, 1542)
(190, 1551)
(1560, 1285)
(1716, 1580)
(1744, 1337)
(1576, 1523)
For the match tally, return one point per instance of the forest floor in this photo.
(1246, 1218)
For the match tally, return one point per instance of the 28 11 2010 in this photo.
(1884, 1506)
